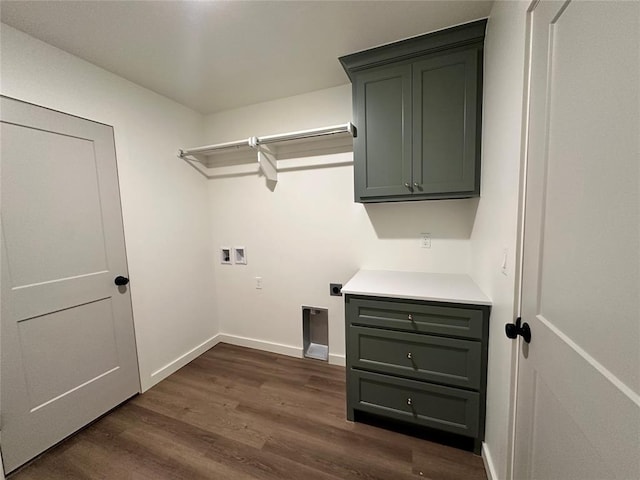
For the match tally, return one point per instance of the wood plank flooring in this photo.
(237, 413)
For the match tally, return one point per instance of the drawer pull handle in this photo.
(409, 401)
(409, 356)
(410, 317)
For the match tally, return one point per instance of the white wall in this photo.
(495, 227)
(308, 231)
(164, 201)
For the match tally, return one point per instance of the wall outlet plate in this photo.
(225, 255)
(335, 289)
(425, 240)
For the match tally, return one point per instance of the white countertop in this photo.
(436, 287)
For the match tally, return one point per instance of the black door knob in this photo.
(120, 280)
(514, 329)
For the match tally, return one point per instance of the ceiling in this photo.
(218, 55)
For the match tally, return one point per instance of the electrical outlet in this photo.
(258, 283)
(425, 240)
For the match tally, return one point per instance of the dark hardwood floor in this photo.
(237, 413)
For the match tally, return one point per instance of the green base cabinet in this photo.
(417, 108)
(419, 362)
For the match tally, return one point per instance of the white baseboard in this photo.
(182, 360)
(488, 463)
(335, 359)
(272, 347)
(289, 350)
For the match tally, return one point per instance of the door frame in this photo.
(520, 237)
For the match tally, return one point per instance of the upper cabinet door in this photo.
(445, 120)
(382, 147)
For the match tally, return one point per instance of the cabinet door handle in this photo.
(410, 317)
(415, 184)
(409, 356)
(409, 401)
(406, 184)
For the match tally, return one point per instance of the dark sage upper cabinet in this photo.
(417, 111)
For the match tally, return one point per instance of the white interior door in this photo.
(68, 347)
(578, 403)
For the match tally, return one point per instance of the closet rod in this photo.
(302, 134)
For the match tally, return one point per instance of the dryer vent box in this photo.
(315, 333)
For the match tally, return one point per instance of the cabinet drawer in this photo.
(414, 317)
(434, 406)
(436, 359)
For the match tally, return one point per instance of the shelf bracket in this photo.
(266, 160)
(195, 160)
